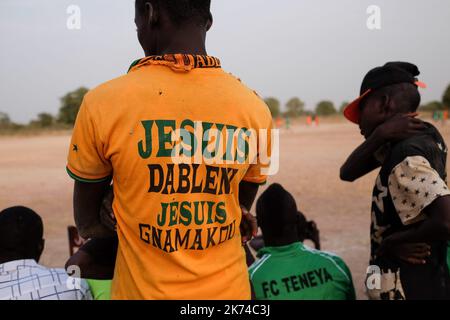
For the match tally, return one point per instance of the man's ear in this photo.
(40, 249)
(385, 105)
(152, 12)
(210, 21)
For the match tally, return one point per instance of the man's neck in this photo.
(9, 259)
(281, 242)
(191, 40)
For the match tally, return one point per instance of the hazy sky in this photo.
(313, 49)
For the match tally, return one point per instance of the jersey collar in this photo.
(178, 62)
(296, 246)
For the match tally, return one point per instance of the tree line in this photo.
(65, 119)
(296, 107)
(71, 102)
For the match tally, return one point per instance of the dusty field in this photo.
(32, 173)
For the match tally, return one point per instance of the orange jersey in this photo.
(176, 201)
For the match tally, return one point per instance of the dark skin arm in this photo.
(102, 223)
(435, 228)
(247, 195)
(87, 202)
(362, 160)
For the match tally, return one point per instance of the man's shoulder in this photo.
(249, 99)
(259, 266)
(330, 259)
(427, 145)
(109, 89)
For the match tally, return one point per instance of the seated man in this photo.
(307, 230)
(288, 269)
(21, 277)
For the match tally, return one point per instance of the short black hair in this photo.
(182, 11)
(276, 210)
(406, 96)
(21, 232)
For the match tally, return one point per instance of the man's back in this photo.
(27, 280)
(296, 272)
(178, 223)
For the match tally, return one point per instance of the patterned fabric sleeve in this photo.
(414, 185)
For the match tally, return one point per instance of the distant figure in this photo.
(316, 120)
(309, 120)
(21, 277)
(278, 122)
(287, 121)
(288, 269)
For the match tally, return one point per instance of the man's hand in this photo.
(247, 195)
(362, 160)
(413, 253)
(400, 127)
(249, 226)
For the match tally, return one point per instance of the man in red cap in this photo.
(411, 201)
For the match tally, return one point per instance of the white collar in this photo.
(13, 265)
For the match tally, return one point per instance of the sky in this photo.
(312, 49)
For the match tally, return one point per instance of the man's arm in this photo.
(247, 195)
(435, 228)
(87, 202)
(362, 160)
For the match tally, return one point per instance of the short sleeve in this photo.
(86, 160)
(414, 185)
(260, 165)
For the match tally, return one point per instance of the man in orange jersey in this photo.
(177, 137)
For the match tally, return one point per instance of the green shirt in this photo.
(297, 272)
(100, 289)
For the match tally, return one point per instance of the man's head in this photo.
(385, 103)
(160, 22)
(386, 91)
(278, 216)
(21, 234)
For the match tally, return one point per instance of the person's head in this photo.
(21, 234)
(160, 23)
(385, 103)
(385, 92)
(277, 215)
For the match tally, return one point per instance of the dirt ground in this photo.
(32, 173)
